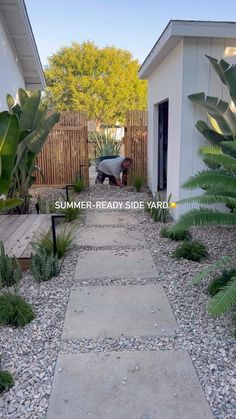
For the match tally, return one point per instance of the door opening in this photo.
(162, 145)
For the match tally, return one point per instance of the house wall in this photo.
(184, 71)
(198, 76)
(10, 72)
(165, 82)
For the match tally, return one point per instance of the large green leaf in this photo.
(10, 203)
(9, 135)
(36, 143)
(29, 111)
(13, 106)
(202, 217)
(210, 199)
(212, 178)
(227, 74)
(222, 262)
(211, 135)
(224, 300)
(217, 109)
(224, 160)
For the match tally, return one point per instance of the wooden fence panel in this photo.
(135, 143)
(65, 151)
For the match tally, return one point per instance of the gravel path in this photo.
(30, 353)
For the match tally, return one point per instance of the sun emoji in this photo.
(173, 205)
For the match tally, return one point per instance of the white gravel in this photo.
(30, 353)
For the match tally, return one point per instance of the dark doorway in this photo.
(162, 145)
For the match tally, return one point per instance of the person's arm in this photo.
(119, 183)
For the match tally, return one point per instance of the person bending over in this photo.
(112, 169)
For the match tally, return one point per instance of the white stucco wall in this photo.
(165, 82)
(184, 71)
(10, 73)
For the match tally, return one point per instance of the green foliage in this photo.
(65, 240)
(9, 137)
(106, 143)
(191, 250)
(6, 381)
(219, 181)
(71, 213)
(177, 236)
(35, 124)
(46, 205)
(43, 266)
(10, 271)
(222, 262)
(103, 82)
(224, 300)
(220, 281)
(14, 310)
(138, 182)
(79, 185)
(157, 210)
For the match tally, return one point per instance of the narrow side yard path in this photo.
(118, 384)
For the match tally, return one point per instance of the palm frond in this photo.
(222, 262)
(228, 162)
(209, 199)
(212, 178)
(224, 300)
(202, 217)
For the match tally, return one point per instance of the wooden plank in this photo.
(44, 228)
(3, 217)
(18, 242)
(9, 225)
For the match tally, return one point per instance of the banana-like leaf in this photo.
(219, 110)
(212, 178)
(6, 204)
(227, 74)
(13, 106)
(202, 217)
(36, 143)
(224, 300)
(211, 135)
(9, 135)
(29, 111)
(22, 95)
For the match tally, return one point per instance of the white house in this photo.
(20, 64)
(175, 68)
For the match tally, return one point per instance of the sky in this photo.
(134, 25)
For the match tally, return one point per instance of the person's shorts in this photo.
(102, 176)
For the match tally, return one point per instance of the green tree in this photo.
(103, 82)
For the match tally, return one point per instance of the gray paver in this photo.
(127, 385)
(140, 310)
(110, 218)
(109, 236)
(115, 264)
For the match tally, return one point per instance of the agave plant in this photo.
(106, 143)
(35, 124)
(218, 182)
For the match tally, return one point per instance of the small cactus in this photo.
(10, 271)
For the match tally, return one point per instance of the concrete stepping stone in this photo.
(127, 385)
(139, 310)
(110, 218)
(109, 236)
(115, 264)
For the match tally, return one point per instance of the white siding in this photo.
(10, 73)
(165, 82)
(185, 70)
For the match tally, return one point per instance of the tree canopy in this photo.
(103, 82)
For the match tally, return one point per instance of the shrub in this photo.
(106, 143)
(10, 271)
(70, 213)
(65, 239)
(220, 281)
(175, 235)
(191, 250)
(79, 185)
(157, 210)
(14, 310)
(43, 266)
(46, 206)
(6, 381)
(138, 182)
